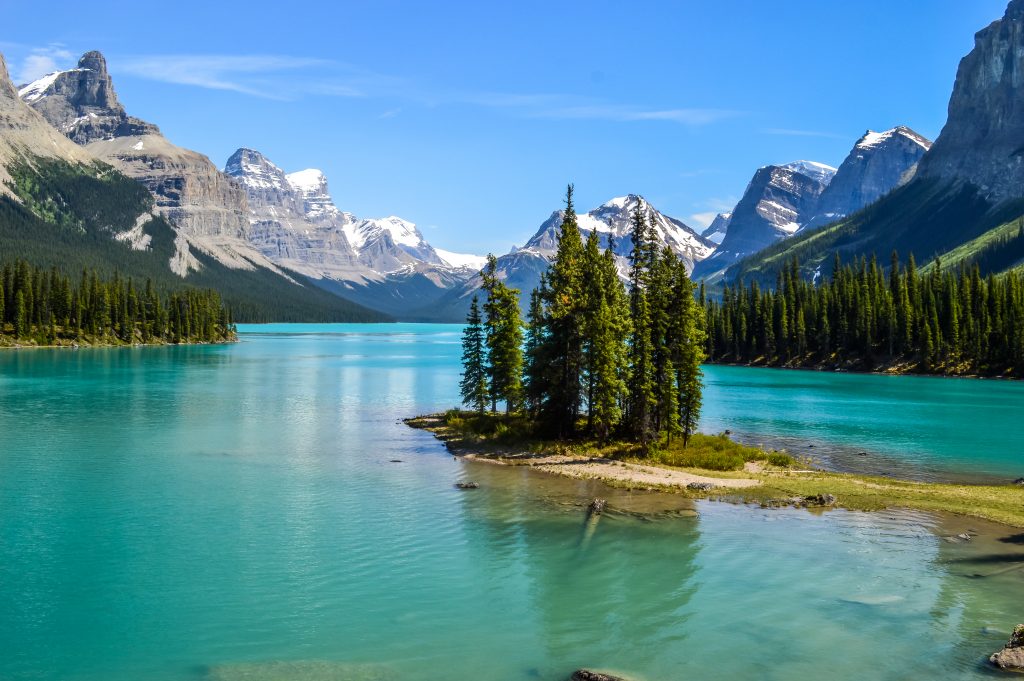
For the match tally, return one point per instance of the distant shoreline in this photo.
(891, 370)
(74, 345)
(756, 483)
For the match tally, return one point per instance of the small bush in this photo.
(781, 459)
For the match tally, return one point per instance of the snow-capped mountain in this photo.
(612, 221)
(878, 163)
(384, 263)
(778, 200)
(716, 231)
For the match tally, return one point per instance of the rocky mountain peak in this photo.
(93, 61)
(878, 163)
(982, 143)
(255, 171)
(612, 221)
(82, 103)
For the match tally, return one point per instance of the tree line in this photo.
(935, 321)
(592, 358)
(45, 306)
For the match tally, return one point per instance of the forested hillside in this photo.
(937, 320)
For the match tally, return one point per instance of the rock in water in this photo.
(596, 506)
(1011, 657)
(467, 485)
(590, 675)
(1019, 481)
(700, 486)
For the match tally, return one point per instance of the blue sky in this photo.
(470, 118)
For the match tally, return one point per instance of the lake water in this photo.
(258, 511)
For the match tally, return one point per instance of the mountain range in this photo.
(270, 239)
(965, 198)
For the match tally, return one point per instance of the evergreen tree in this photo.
(642, 401)
(504, 339)
(473, 386)
(563, 338)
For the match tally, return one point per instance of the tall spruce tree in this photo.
(503, 331)
(473, 385)
(642, 402)
(563, 339)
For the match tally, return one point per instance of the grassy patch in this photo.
(716, 453)
(491, 433)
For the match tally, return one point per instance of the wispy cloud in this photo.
(40, 61)
(256, 75)
(562, 107)
(703, 220)
(801, 133)
(712, 207)
(286, 77)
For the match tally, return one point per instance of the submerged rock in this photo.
(596, 506)
(1011, 657)
(467, 485)
(818, 500)
(591, 675)
(1019, 481)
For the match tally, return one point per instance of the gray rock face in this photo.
(281, 225)
(982, 142)
(778, 200)
(82, 103)
(385, 264)
(1011, 657)
(878, 163)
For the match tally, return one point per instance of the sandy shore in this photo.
(608, 470)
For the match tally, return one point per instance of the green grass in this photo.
(715, 453)
(496, 432)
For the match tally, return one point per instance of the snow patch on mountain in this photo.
(872, 139)
(36, 90)
(451, 259)
(818, 171)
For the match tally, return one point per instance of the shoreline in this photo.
(824, 369)
(75, 345)
(757, 483)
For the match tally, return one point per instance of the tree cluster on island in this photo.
(938, 321)
(592, 358)
(47, 307)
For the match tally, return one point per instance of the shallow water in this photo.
(235, 513)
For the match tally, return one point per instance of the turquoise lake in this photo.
(258, 511)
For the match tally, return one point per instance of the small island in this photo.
(607, 385)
